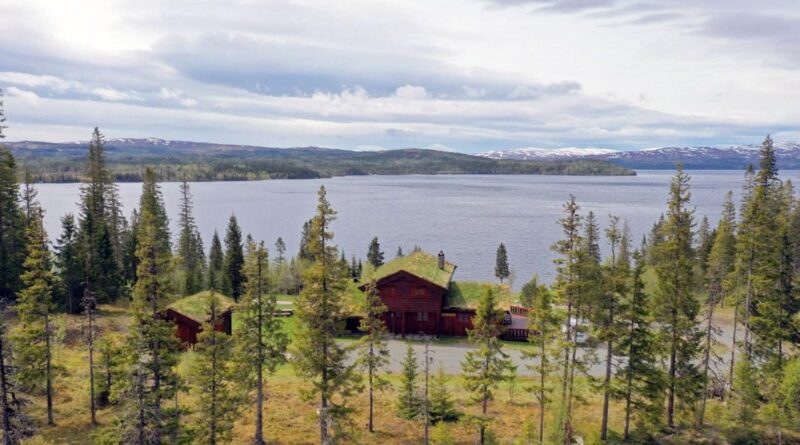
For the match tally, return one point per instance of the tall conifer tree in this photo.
(261, 342)
(12, 226)
(320, 308)
(374, 253)
(233, 277)
(501, 269)
(153, 347)
(33, 337)
(676, 306)
(373, 353)
(485, 368)
(190, 246)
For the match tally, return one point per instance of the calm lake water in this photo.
(466, 216)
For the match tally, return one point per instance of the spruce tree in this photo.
(12, 228)
(152, 345)
(33, 337)
(374, 253)
(640, 379)
(213, 382)
(70, 269)
(96, 234)
(501, 270)
(29, 197)
(485, 368)
(216, 261)
(676, 306)
(233, 279)
(319, 309)
(260, 340)
(190, 246)
(543, 333)
(399, 253)
(409, 402)
(373, 353)
(442, 407)
(280, 251)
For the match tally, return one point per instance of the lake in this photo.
(465, 216)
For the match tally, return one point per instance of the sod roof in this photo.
(196, 306)
(467, 294)
(420, 264)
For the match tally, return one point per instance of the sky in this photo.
(467, 75)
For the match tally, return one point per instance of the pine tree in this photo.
(261, 342)
(609, 328)
(12, 227)
(484, 368)
(95, 233)
(543, 328)
(640, 380)
(501, 270)
(568, 287)
(319, 310)
(33, 337)
(70, 270)
(110, 355)
(29, 197)
(212, 377)
(719, 270)
(373, 353)
(374, 253)
(676, 306)
(409, 402)
(305, 236)
(129, 260)
(442, 406)
(215, 264)
(233, 279)
(190, 246)
(153, 347)
(399, 253)
(16, 424)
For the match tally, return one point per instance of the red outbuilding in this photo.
(190, 313)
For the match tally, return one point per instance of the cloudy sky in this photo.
(467, 75)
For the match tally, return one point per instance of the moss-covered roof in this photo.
(467, 294)
(196, 306)
(421, 264)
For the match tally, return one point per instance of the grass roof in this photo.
(467, 294)
(196, 306)
(421, 264)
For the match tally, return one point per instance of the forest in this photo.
(50, 162)
(86, 357)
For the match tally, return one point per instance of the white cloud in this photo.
(411, 92)
(26, 96)
(110, 94)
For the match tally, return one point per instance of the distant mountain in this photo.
(696, 157)
(203, 161)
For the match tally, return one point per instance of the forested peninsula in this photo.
(196, 161)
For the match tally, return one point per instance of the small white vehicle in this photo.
(582, 326)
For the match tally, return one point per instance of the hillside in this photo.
(731, 157)
(174, 160)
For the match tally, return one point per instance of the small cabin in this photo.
(191, 312)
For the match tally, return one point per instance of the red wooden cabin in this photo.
(189, 314)
(414, 289)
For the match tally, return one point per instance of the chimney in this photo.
(441, 259)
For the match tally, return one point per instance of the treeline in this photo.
(297, 164)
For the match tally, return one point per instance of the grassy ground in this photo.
(288, 418)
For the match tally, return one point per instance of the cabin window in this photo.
(463, 317)
(422, 316)
(419, 292)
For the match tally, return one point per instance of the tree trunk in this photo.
(706, 362)
(49, 371)
(91, 367)
(733, 339)
(371, 396)
(672, 359)
(607, 382)
(4, 383)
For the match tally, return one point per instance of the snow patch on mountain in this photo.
(547, 153)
